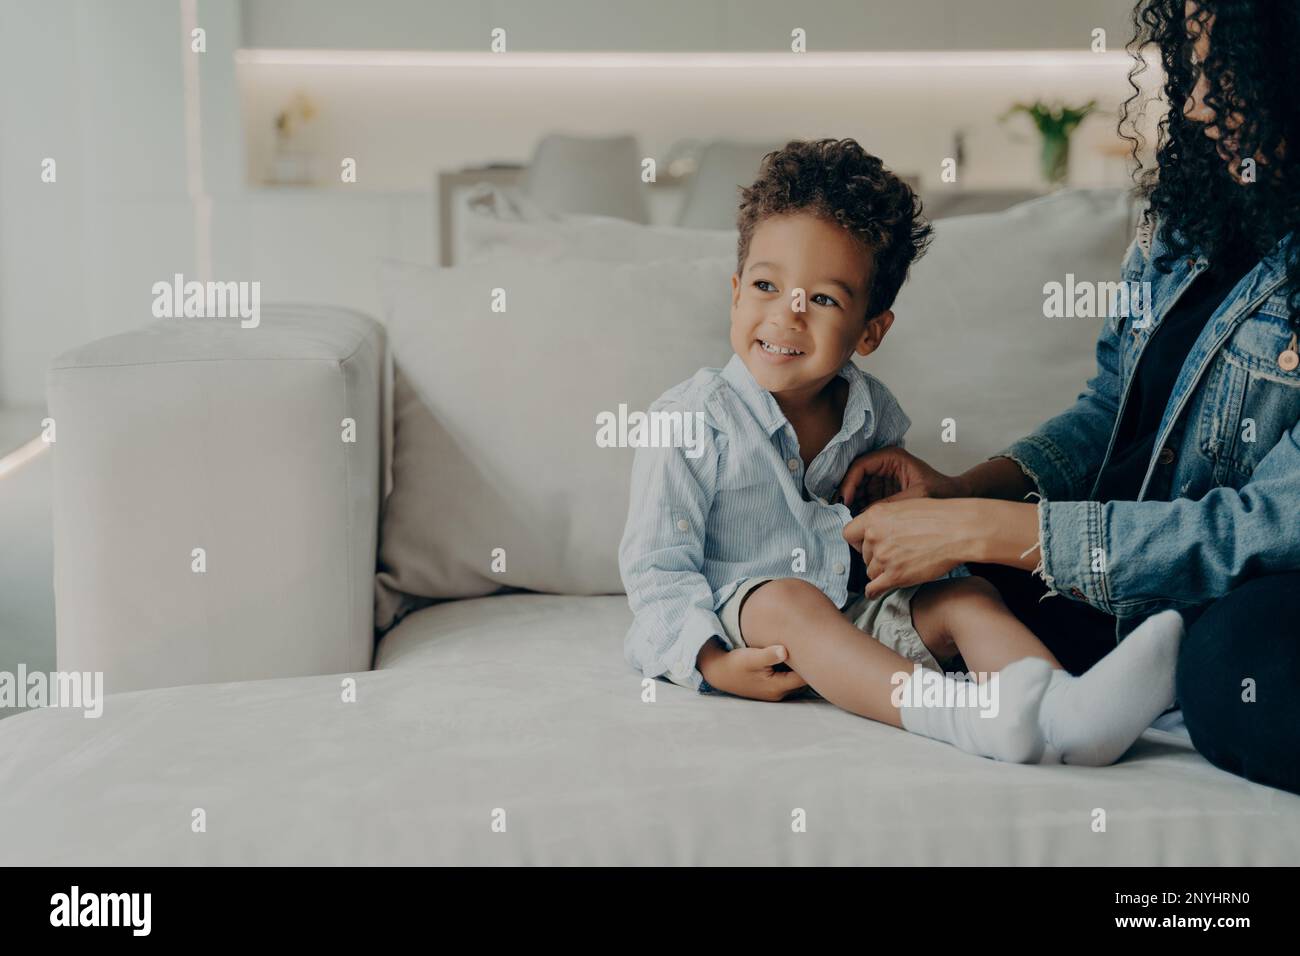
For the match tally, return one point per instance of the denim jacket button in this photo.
(1166, 456)
(1288, 360)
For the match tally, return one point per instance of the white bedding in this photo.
(523, 702)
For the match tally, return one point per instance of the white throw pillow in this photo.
(494, 222)
(970, 342)
(495, 411)
(495, 415)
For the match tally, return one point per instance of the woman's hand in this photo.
(894, 474)
(905, 542)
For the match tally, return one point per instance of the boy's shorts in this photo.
(887, 619)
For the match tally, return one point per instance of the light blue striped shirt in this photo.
(701, 523)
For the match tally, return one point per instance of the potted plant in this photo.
(290, 166)
(1055, 123)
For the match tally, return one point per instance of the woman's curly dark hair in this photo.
(843, 183)
(1253, 69)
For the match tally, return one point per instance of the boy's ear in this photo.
(875, 332)
(735, 288)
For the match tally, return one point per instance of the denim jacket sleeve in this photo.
(660, 558)
(1063, 456)
(1136, 557)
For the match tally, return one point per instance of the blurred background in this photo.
(296, 142)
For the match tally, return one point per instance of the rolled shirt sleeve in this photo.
(1132, 558)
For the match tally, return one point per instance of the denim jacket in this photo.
(1220, 502)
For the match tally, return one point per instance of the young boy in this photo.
(734, 560)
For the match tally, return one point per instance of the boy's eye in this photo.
(760, 283)
(829, 300)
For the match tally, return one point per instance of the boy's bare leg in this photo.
(967, 615)
(841, 663)
(853, 671)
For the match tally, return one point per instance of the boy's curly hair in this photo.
(844, 184)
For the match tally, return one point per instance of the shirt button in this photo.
(794, 464)
(838, 568)
(683, 524)
(1166, 456)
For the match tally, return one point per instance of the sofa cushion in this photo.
(523, 702)
(970, 342)
(495, 416)
(216, 498)
(487, 422)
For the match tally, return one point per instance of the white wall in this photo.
(402, 123)
(97, 92)
(98, 86)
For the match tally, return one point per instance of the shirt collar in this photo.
(768, 413)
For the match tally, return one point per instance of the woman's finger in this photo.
(880, 585)
(852, 532)
(877, 488)
(872, 463)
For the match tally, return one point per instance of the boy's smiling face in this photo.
(802, 251)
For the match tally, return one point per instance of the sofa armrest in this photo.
(194, 434)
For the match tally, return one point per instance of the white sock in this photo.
(1092, 719)
(1013, 734)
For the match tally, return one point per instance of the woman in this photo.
(1174, 480)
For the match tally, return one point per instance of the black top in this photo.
(1153, 383)
(857, 572)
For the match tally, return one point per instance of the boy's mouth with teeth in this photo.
(777, 349)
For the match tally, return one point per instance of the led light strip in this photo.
(936, 59)
(21, 455)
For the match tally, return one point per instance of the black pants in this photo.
(1238, 678)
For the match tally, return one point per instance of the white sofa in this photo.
(229, 687)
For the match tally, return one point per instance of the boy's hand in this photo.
(749, 671)
(894, 474)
